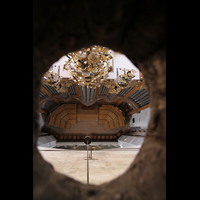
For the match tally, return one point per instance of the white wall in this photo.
(141, 119)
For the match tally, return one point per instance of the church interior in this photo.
(112, 111)
(99, 100)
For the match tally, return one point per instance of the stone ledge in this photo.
(46, 141)
(130, 141)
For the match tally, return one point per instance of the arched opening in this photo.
(114, 112)
(138, 31)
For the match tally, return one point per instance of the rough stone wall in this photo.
(135, 28)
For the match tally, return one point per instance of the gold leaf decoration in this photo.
(114, 88)
(89, 66)
(63, 84)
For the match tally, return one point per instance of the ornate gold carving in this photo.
(124, 79)
(50, 78)
(63, 84)
(140, 84)
(114, 88)
(89, 66)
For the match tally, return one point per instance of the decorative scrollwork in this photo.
(63, 84)
(124, 79)
(89, 66)
(50, 78)
(114, 88)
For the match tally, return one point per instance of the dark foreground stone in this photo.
(135, 28)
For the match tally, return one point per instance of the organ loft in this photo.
(87, 92)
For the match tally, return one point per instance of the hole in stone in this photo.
(112, 107)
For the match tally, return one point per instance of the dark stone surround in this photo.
(135, 28)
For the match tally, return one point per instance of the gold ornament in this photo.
(125, 79)
(50, 78)
(114, 88)
(63, 84)
(89, 66)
